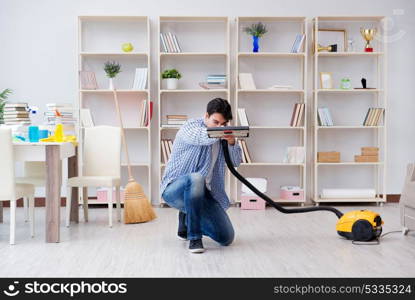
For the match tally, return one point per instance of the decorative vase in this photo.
(111, 84)
(171, 83)
(255, 43)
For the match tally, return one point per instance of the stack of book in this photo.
(145, 114)
(324, 117)
(16, 114)
(140, 79)
(59, 113)
(246, 157)
(166, 148)
(297, 115)
(169, 43)
(176, 120)
(373, 116)
(369, 154)
(299, 40)
(214, 82)
(243, 118)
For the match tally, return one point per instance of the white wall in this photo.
(39, 46)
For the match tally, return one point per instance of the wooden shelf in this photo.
(135, 164)
(340, 91)
(97, 44)
(328, 54)
(113, 54)
(275, 127)
(323, 200)
(271, 91)
(351, 163)
(271, 164)
(349, 127)
(110, 91)
(352, 136)
(270, 54)
(194, 91)
(193, 54)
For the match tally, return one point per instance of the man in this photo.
(194, 182)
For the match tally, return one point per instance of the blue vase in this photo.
(256, 43)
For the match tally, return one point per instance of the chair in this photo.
(34, 173)
(407, 201)
(101, 166)
(9, 189)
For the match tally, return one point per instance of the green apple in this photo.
(127, 47)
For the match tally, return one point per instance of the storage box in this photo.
(329, 157)
(102, 195)
(370, 153)
(291, 193)
(252, 202)
(370, 149)
(366, 158)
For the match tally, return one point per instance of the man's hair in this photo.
(221, 106)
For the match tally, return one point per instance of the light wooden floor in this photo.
(267, 244)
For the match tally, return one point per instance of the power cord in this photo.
(376, 241)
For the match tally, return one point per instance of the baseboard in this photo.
(40, 202)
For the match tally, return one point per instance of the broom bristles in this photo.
(137, 208)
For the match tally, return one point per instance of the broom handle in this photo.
(130, 175)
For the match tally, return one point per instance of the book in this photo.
(246, 81)
(243, 118)
(242, 151)
(163, 44)
(86, 118)
(247, 155)
(88, 80)
(140, 79)
(176, 42)
(294, 115)
(328, 116)
(170, 142)
(164, 151)
(150, 114)
(298, 42)
(300, 115)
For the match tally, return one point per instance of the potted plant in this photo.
(3, 97)
(112, 68)
(171, 77)
(256, 31)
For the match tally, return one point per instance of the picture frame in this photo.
(326, 80)
(333, 36)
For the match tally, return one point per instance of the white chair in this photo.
(407, 201)
(9, 190)
(34, 173)
(101, 166)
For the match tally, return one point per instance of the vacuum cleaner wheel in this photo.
(362, 230)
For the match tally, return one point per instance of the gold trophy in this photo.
(368, 34)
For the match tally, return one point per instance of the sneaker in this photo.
(196, 246)
(182, 232)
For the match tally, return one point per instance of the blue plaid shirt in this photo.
(192, 152)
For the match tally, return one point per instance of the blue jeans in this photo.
(204, 215)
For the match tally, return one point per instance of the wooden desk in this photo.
(52, 153)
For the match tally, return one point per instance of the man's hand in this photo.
(230, 139)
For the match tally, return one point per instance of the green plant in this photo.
(112, 68)
(3, 97)
(257, 29)
(172, 73)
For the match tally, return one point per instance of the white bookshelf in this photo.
(348, 109)
(269, 110)
(100, 39)
(204, 42)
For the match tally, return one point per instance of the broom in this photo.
(137, 208)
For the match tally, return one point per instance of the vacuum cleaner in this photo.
(358, 225)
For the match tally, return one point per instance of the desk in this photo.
(52, 153)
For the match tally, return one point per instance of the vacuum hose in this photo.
(338, 213)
